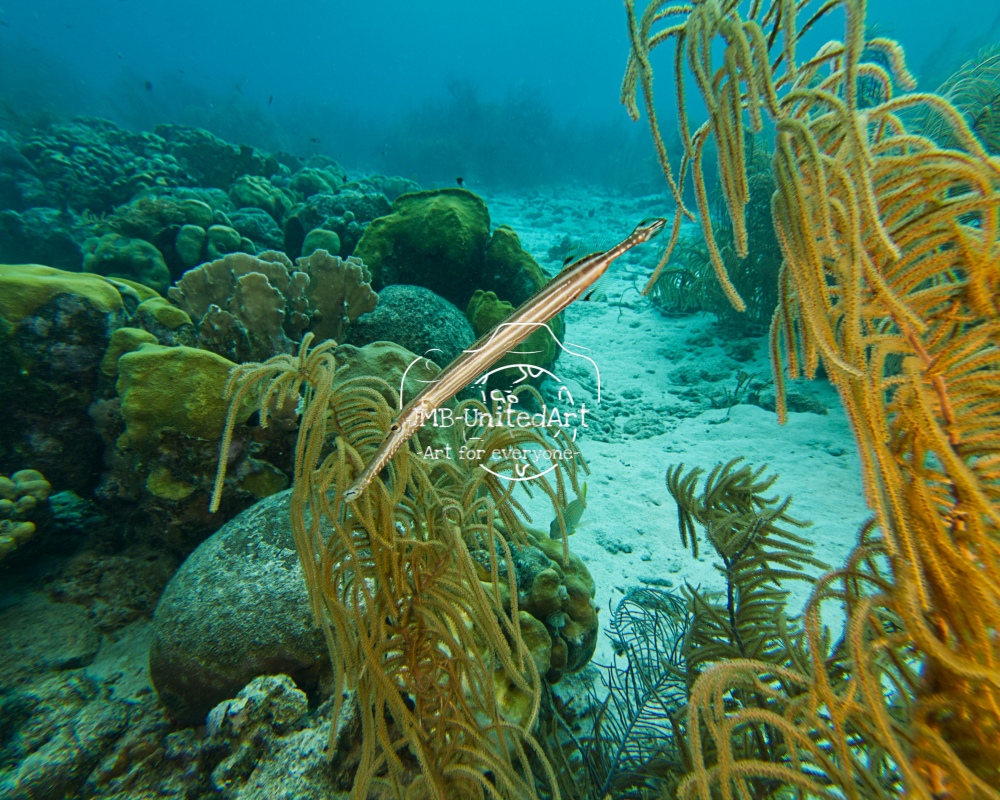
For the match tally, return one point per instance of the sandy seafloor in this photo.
(648, 361)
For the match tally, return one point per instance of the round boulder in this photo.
(419, 320)
(236, 609)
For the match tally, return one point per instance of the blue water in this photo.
(532, 83)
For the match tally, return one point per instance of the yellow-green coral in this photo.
(20, 495)
(172, 389)
(26, 287)
(123, 340)
(162, 483)
(435, 239)
(486, 311)
(164, 312)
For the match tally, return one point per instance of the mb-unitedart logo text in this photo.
(503, 406)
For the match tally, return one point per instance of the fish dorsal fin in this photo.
(573, 258)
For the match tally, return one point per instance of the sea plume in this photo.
(891, 280)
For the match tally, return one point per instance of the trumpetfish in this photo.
(572, 282)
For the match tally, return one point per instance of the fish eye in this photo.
(394, 427)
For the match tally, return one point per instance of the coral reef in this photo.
(55, 328)
(237, 608)
(68, 182)
(161, 430)
(65, 339)
(94, 165)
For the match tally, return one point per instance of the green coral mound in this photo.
(440, 240)
(486, 311)
(120, 256)
(177, 389)
(436, 239)
(26, 287)
(510, 270)
(164, 313)
(124, 340)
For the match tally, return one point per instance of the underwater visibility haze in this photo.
(590, 400)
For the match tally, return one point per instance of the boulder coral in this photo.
(417, 319)
(236, 609)
(321, 239)
(22, 497)
(556, 589)
(441, 240)
(250, 191)
(436, 239)
(120, 257)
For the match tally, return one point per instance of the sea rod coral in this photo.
(890, 279)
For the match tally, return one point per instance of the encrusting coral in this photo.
(448, 687)
(890, 278)
(248, 308)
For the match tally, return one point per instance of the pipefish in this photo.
(534, 312)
